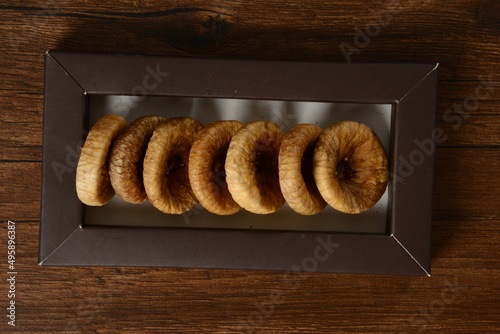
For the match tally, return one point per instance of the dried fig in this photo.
(252, 167)
(206, 167)
(296, 170)
(166, 177)
(92, 177)
(127, 156)
(350, 167)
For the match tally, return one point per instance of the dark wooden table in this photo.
(461, 296)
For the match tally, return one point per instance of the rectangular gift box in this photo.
(397, 101)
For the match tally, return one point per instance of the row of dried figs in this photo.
(228, 165)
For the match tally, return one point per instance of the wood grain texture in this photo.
(463, 36)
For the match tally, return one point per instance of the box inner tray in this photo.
(284, 113)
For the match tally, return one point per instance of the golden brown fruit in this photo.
(296, 172)
(127, 156)
(252, 167)
(206, 167)
(166, 177)
(92, 176)
(350, 167)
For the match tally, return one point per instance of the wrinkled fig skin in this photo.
(93, 185)
(206, 167)
(296, 172)
(350, 167)
(252, 167)
(126, 159)
(166, 177)
(228, 165)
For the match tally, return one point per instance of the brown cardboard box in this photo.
(394, 238)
